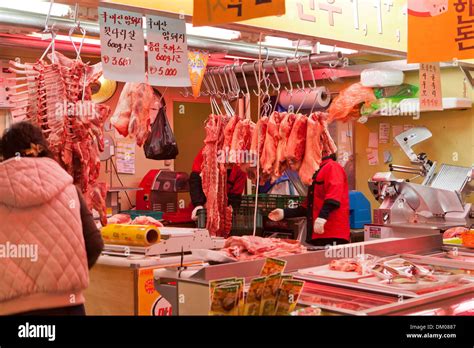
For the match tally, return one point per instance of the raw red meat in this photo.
(241, 139)
(285, 130)
(296, 144)
(119, 219)
(313, 151)
(95, 198)
(345, 265)
(342, 107)
(132, 115)
(256, 147)
(454, 232)
(229, 132)
(146, 220)
(58, 99)
(329, 147)
(252, 247)
(214, 175)
(268, 158)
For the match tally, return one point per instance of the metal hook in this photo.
(300, 89)
(83, 32)
(314, 85)
(275, 72)
(234, 81)
(257, 80)
(245, 79)
(290, 91)
(46, 22)
(230, 93)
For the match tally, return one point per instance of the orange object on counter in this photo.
(468, 239)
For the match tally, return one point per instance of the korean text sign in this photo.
(167, 52)
(430, 87)
(210, 12)
(122, 42)
(440, 30)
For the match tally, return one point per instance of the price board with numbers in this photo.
(122, 45)
(167, 52)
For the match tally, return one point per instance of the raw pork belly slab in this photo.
(296, 144)
(313, 152)
(268, 159)
(285, 130)
(146, 220)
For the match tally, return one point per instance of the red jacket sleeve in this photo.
(197, 164)
(334, 184)
(236, 180)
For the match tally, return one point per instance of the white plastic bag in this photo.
(381, 77)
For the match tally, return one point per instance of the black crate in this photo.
(242, 221)
(267, 202)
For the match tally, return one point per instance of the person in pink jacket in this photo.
(48, 238)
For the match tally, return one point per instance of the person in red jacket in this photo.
(326, 207)
(236, 180)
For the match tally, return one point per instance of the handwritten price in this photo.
(164, 71)
(121, 61)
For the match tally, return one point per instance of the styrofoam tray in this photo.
(324, 271)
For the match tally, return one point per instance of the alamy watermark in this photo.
(390, 108)
(343, 251)
(19, 251)
(237, 156)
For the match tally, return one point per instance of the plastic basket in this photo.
(268, 202)
(242, 221)
(158, 215)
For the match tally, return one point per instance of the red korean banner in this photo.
(440, 30)
(122, 45)
(197, 62)
(211, 12)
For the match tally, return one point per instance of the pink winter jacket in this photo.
(43, 261)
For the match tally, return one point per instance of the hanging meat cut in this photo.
(285, 130)
(137, 105)
(214, 175)
(313, 151)
(268, 158)
(296, 144)
(241, 140)
(256, 147)
(347, 104)
(329, 147)
(57, 97)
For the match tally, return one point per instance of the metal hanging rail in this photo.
(35, 21)
(312, 59)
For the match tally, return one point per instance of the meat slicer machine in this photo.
(408, 209)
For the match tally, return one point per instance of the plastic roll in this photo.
(132, 235)
(320, 97)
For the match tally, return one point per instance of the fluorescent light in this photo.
(211, 32)
(76, 39)
(36, 6)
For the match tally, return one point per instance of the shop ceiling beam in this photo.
(35, 22)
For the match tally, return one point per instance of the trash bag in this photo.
(161, 143)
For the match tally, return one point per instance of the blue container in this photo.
(360, 210)
(158, 215)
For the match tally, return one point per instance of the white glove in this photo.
(318, 226)
(276, 215)
(194, 213)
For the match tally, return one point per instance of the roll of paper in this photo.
(132, 235)
(319, 97)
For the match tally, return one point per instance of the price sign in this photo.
(167, 52)
(430, 87)
(122, 42)
(210, 12)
